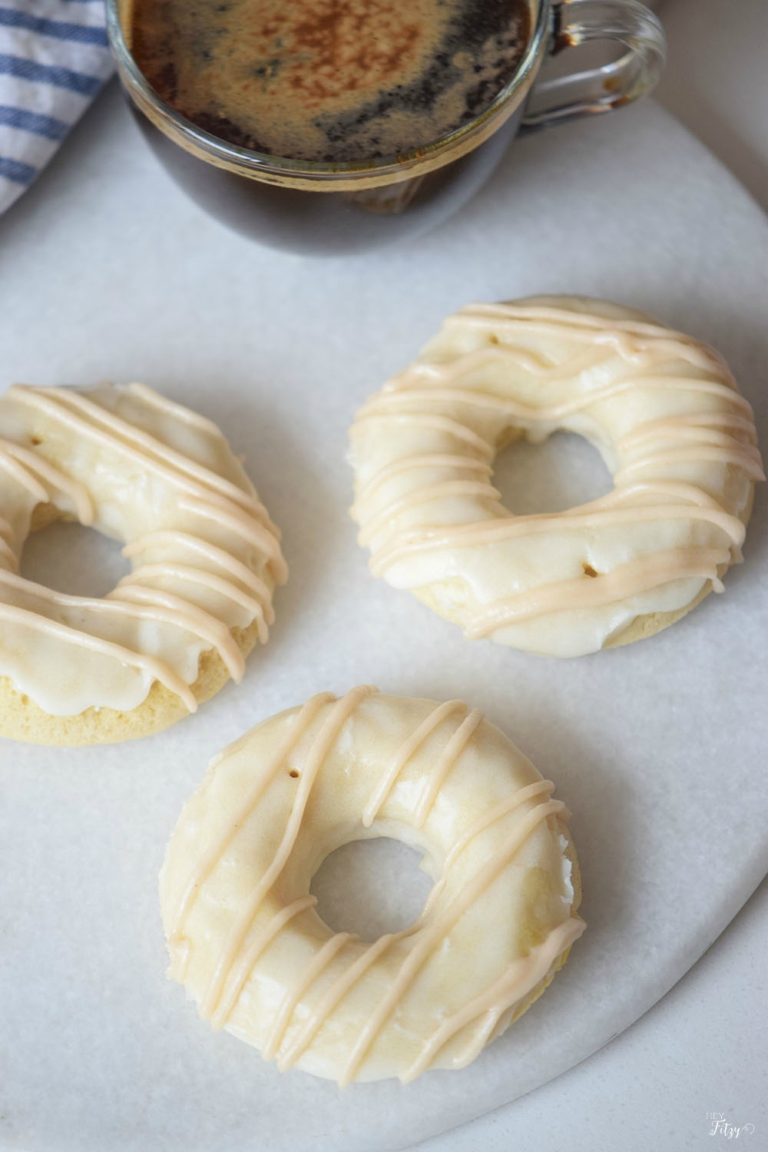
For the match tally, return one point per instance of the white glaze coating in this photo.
(162, 480)
(662, 409)
(242, 931)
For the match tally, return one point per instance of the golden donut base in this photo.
(22, 719)
(641, 628)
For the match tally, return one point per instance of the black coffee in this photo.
(330, 80)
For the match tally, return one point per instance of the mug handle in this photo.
(607, 87)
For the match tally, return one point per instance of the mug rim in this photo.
(311, 173)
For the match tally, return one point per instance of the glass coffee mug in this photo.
(335, 208)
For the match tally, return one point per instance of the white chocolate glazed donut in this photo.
(244, 937)
(664, 412)
(205, 557)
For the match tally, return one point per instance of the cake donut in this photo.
(243, 933)
(662, 409)
(205, 559)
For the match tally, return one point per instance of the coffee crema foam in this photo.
(326, 80)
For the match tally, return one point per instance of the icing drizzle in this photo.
(205, 552)
(342, 960)
(664, 406)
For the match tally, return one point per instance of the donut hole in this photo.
(371, 887)
(560, 473)
(70, 558)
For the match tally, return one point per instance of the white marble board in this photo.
(106, 271)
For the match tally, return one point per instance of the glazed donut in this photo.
(205, 556)
(664, 412)
(243, 934)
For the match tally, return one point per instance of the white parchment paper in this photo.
(659, 749)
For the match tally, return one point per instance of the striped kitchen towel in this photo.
(53, 60)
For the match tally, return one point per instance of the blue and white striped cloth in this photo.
(54, 58)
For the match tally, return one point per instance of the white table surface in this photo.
(702, 1049)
